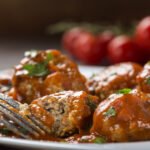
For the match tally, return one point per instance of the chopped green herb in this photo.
(124, 91)
(36, 69)
(112, 74)
(99, 140)
(49, 57)
(110, 112)
(5, 131)
(39, 69)
(93, 75)
(91, 104)
(148, 80)
(62, 141)
(31, 53)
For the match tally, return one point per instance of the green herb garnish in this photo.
(49, 57)
(31, 53)
(93, 75)
(38, 69)
(124, 91)
(148, 80)
(112, 74)
(110, 112)
(91, 104)
(99, 140)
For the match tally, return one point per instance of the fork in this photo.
(26, 126)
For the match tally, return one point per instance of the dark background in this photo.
(31, 17)
(23, 23)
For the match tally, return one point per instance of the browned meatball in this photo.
(64, 113)
(45, 72)
(123, 117)
(143, 78)
(113, 78)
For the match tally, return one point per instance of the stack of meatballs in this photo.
(113, 104)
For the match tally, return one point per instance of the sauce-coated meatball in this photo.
(123, 117)
(64, 113)
(143, 78)
(113, 78)
(45, 72)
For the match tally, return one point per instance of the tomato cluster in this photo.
(93, 49)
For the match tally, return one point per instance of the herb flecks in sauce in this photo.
(99, 140)
(113, 74)
(91, 104)
(38, 69)
(110, 112)
(124, 91)
(148, 81)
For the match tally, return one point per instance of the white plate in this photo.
(40, 145)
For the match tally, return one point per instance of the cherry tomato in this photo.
(103, 40)
(122, 49)
(87, 49)
(142, 34)
(70, 37)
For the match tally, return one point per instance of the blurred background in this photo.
(24, 23)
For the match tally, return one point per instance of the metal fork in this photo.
(26, 126)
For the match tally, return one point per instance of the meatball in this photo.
(113, 78)
(64, 113)
(123, 117)
(45, 72)
(143, 79)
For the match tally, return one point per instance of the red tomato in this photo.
(142, 34)
(103, 39)
(70, 37)
(87, 49)
(122, 49)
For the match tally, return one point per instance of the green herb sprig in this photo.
(91, 104)
(110, 112)
(148, 80)
(38, 69)
(124, 91)
(99, 140)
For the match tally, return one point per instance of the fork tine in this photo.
(17, 119)
(15, 104)
(39, 124)
(28, 122)
(35, 126)
(10, 101)
(14, 129)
